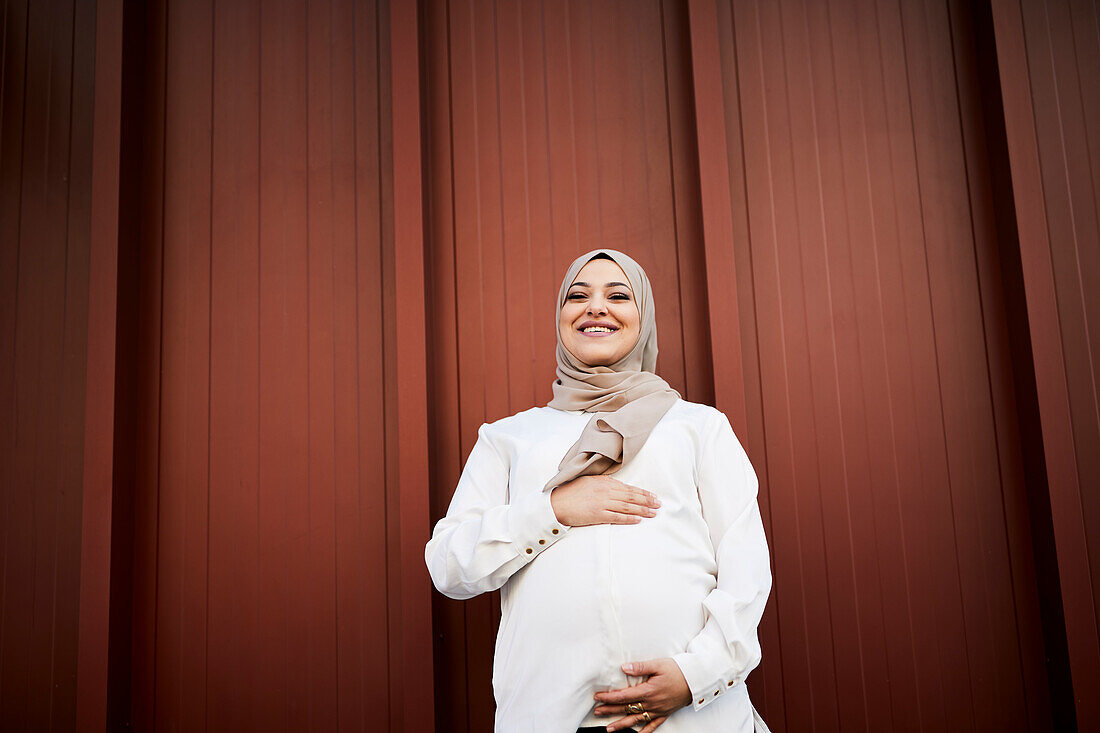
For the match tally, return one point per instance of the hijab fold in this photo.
(627, 398)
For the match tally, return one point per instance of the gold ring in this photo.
(646, 716)
(635, 707)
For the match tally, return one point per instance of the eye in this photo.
(619, 296)
(574, 296)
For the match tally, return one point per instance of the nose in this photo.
(597, 306)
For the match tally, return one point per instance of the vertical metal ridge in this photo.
(667, 103)
(972, 181)
(927, 297)
(162, 243)
(572, 122)
(549, 159)
(209, 369)
(845, 482)
(864, 415)
(800, 244)
(891, 411)
(9, 388)
(66, 310)
(1073, 224)
(500, 195)
(526, 189)
(768, 156)
(259, 303)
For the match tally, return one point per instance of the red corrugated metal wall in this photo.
(268, 573)
(1048, 54)
(329, 235)
(45, 250)
(261, 529)
(880, 406)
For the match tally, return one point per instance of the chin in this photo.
(598, 359)
(594, 354)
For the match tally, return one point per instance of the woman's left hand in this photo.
(665, 692)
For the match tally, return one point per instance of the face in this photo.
(599, 322)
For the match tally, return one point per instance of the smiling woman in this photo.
(621, 524)
(599, 321)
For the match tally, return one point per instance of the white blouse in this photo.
(579, 602)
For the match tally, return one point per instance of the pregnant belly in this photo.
(632, 591)
(660, 583)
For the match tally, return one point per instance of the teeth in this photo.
(601, 329)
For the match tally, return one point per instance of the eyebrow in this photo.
(608, 285)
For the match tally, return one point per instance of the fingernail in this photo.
(629, 668)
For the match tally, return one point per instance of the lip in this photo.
(597, 334)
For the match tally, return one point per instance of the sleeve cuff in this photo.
(535, 526)
(705, 685)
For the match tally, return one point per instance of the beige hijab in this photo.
(627, 398)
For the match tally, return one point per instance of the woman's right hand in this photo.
(601, 499)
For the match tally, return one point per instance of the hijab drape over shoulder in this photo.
(626, 398)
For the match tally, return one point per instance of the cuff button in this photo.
(554, 531)
(542, 542)
(529, 550)
(701, 701)
(729, 684)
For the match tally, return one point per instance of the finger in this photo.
(625, 723)
(630, 502)
(625, 507)
(625, 695)
(641, 496)
(610, 517)
(653, 706)
(642, 669)
(654, 724)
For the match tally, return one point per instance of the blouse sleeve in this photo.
(484, 539)
(721, 656)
